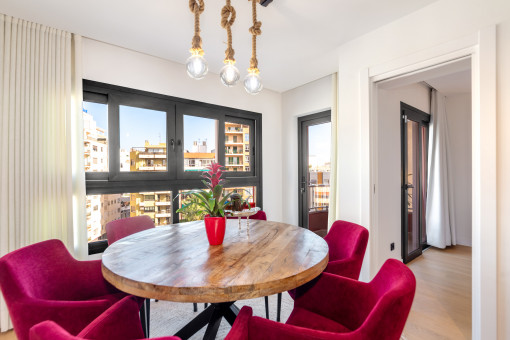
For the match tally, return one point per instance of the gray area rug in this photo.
(168, 317)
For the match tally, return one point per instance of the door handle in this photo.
(172, 144)
(408, 186)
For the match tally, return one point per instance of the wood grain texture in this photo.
(442, 304)
(176, 262)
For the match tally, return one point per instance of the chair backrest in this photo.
(347, 240)
(119, 322)
(35, 271)
(260, 215)
(115, 230)
(393, 287)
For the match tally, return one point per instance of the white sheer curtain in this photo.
(41, 175)
(333, 190)
(440, 217)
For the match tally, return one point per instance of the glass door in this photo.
(314, 171)
(414, 133)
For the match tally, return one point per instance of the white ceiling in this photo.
(450, 78)
(297, 45)
(452, 84)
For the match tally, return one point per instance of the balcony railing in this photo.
(318, 196)
(166, 214)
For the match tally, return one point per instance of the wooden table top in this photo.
(177, 263)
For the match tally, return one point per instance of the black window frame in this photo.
(174, 178)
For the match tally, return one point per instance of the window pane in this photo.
(237, 147)
(102, 209)
(142, 139)
(247, 193)
(193, 212)
(95, 136)
(319, 166)
(199, 142)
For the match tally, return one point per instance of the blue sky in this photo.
(138, 125)
(198, 128)
(319, 143)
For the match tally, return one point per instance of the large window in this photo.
(141, 149)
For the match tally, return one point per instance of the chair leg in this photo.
(266, 300)
(279, 307)
(148, 308)
(145, 317)
(195, 307)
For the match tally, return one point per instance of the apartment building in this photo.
(237, 147)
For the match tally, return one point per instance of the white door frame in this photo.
(481, 47)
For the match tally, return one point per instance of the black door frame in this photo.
(407, 112)
(303, 124)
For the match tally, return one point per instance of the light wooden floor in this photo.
(442, 305)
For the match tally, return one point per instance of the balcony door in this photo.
(414, 142)
(314, 171)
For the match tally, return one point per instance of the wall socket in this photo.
(392, 246)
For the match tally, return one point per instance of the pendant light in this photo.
(196, 65)
(252, 82)
(229, 73)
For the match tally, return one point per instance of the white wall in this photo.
(458, 113)
(439, 23)
(118, 66)
(389, 165)
(304, 100)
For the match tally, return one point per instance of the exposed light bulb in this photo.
(252, 82)
(229, 74)
(196, 65)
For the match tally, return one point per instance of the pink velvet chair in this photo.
(44, 282)
(118, 229)
(347, 245)
(340, 308)
(119, 322)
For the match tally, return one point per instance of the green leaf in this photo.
(223, 202)
(217, 190)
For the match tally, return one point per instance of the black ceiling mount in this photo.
(265, 2)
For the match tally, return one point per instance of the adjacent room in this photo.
(261, 169)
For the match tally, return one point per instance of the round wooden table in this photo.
(177, 263)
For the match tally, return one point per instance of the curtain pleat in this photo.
(333, 190)
(40, 180)
(440, 214)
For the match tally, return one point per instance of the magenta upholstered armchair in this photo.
(44, 282)
(118, 229)
(119, 322)
(340, 308)
(347, 245)
(115, 230)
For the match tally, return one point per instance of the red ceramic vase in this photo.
(215, 229)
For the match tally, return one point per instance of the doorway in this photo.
(314, 168)
(404, 197)
(414, 144)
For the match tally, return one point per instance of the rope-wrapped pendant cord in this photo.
(228, 16)
(254, 30)
(196, 7)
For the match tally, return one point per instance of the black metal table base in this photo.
(211, 317)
